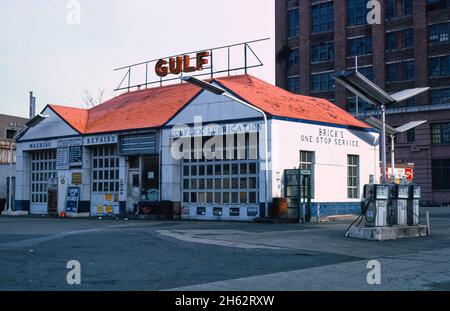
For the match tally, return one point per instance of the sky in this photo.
(47, 49)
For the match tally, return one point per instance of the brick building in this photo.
(9, 125)
(410, 48)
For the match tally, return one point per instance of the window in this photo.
(293, 23)
(366, 71)
(437, 4)
(400, 71)
(409, 38)
(390, 8)
(440, 133)
(356, 12)
(323, 52)
(322, 17)
(439, 66)
(399, 39)
(407, 7)
(440, 96)
(411, 136)
(322, 82)
(294, 57)
(105, 169)
(438, 33)
(294, 84)
(307, 164)
(392, 72)
(353, 176)
(441, 174)
(363, 106)
(150, 179)
(43, 168)
(10, 133)
(409, 70)
(359, 46)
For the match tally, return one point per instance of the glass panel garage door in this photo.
(105, 181)
(219, 187)
(105, 169)
(43, 168)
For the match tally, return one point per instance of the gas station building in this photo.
(120, 158)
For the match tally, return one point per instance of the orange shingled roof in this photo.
(151, 108)
(279, 102)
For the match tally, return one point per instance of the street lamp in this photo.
(372, 93)
(219, 91)
(392, 132)
(33, 122)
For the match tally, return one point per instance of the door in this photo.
(298, 193)
(305, 196)
(52, 204)
(133, 190)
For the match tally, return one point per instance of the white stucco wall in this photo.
(330, 158)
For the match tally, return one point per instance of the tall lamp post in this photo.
(219, 91)
(372, 93)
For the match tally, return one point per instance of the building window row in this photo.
(400, 71)
(357, 12)
(359, 46)
(322, 82)
(440, 96)
(322, 17)
(401, 39)
(392, 9)
(322, 52)
(439, 66)
(438, 33)
(437, 4)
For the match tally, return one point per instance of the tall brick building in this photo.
(410, 48)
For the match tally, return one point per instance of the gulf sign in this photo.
(399, 172)
(179, 64)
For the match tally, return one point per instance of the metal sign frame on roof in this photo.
(210, 70)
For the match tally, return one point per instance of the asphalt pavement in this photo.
(186, 255)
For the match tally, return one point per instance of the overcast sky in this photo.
(41, 51)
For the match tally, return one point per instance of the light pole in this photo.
(219, 91)
(372, 93)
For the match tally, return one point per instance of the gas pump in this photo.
(375, 205)
(414, 194)
(397, 204)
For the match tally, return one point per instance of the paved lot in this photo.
(152, 255)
